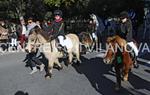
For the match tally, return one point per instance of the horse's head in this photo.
(114, 44)
(35, 39)
(93, 16)
(31, 45)
(110, 54)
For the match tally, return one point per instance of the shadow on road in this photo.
(94, 69)
(138, 82)
(148, 71)
(21, 93)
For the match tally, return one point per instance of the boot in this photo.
(42, 67)
(64, 49)
(34, 70)
(135, 64)
(59, 47)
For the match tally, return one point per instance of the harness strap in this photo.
(51, 46)
(61, 27)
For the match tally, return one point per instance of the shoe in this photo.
(34, 70)
(64, 49)
(136, 65)
(42, 67)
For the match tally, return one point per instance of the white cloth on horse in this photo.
(134, 47)
(67, 42)
(94, 36)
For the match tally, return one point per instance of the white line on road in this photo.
(144, 60)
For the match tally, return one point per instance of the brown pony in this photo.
(88, 41)
(38, 38)
(123, 67)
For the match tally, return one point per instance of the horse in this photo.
(3, 33)
(38, 39)
(121, 60)
(88, 41)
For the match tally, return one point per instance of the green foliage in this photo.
(48, 15)
(58, 3)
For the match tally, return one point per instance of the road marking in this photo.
(144, 60)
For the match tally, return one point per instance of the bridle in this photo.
(36, 39)
(114, 53)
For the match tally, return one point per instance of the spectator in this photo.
(23, 32)
(30, 26)
(13, 36)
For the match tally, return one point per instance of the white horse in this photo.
(50, 50)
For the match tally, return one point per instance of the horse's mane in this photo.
(38, 30)
(44, 34)
(83, 35)
(116, 39)
(111, 39)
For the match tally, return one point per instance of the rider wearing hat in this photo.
(126, 32)
(125, 26)
(57, 26)
(57, 29)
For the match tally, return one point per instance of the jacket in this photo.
(126, 30)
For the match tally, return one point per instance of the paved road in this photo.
(91, 78)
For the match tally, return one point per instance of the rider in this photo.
(126, 32)
(57, 30)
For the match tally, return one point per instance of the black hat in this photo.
(124, 14)
(58, 12)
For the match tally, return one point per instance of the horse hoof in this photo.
(66, 64)
(48, 76)
(125, 79)
(60, 68)
(136, 66)
(78, 63)
(117, 88)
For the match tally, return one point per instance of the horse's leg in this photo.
(60, 67)
(126, 70)
(87, 47)
(92, 46)
(78, 57)
(49, 69)
(118, 76)
(70, 57)
(96, 45)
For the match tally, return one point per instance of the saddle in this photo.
(63, 43)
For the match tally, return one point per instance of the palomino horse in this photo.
(3, 33)
(121, 60)
(88, 41)
(49, 49)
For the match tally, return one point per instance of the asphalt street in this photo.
(92, 77)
